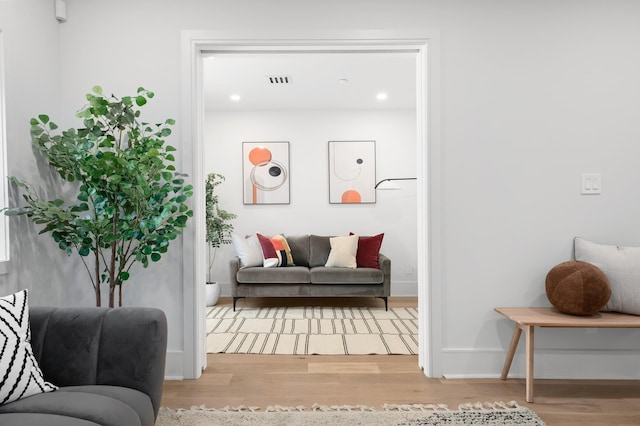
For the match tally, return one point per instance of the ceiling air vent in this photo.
(279, 79)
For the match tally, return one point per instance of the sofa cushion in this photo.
(299, 245)
(39, 419)
(137, 400)
(343, 252)
(369, 251)
(21, 374)
(577, 288)
(248, 250)
(323, 275)
(92, 407)
(75, 341)
(621, 265)
(269, 255)
(275, 251)
(290, 275)
(319, 248)
(124, 347)
(283, 250)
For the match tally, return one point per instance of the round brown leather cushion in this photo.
(577, 288)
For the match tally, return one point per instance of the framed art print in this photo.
(265, 172)
(352, 172)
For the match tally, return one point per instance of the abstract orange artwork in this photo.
(352, 172)
(265, 172)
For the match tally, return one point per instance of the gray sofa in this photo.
(108, 363)
(309, 277)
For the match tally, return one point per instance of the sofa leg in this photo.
(235, 299)
(386, 302)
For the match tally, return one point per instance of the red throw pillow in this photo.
(269, 255)
(368, 251)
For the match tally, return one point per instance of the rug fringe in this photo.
(467, 406)
(480, 406)
(415, 407)
(318, 407)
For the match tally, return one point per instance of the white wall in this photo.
(32, 86)
(532, 94)
(309, 211)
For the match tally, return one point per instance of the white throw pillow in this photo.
(21, 374)
(621, 265)
(343, 252)
(248, 250)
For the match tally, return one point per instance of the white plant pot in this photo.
(212, 293)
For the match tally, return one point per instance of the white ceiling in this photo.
(314, 80)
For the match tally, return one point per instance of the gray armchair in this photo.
(108, 363)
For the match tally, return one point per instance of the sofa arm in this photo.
(234, 267)
(101, 346)
(385, 265)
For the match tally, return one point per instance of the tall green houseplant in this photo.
(217, 220)
(131, 202)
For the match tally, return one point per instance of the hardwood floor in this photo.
(372, 380)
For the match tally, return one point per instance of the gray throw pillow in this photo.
(621, 265)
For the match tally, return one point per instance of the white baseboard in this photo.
(174, 367)
(474, 363)
(404, 288)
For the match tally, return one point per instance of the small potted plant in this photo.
(218, 232)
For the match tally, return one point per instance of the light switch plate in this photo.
(591, 184)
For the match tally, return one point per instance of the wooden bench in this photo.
(527, 318)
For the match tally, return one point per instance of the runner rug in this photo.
(497, 414)
(312, 331)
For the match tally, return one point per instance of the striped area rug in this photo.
(312, 331)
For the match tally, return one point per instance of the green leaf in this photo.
(43, 118)
(140, 100)
(97, 90)
(155, 257)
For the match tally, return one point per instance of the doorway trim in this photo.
(426, 47)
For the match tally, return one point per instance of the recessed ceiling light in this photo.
(381, 96)
(234, 98)
(343, 81)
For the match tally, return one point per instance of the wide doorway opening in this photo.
(386, 168)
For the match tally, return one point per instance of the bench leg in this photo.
(517, 331)
(529, 376)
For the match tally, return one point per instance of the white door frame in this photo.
(426, 47)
